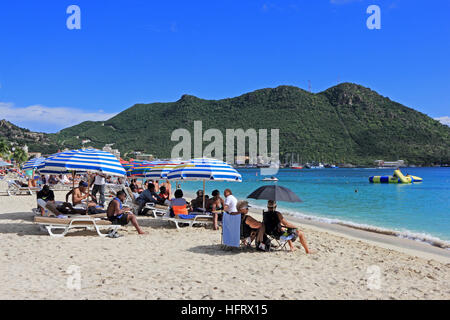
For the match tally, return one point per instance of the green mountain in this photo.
(345, 123)
(36, 141)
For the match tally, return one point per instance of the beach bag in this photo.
(289, 234)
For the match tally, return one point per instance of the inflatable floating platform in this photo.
(397, 177)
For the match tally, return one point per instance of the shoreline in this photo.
(388, 240)
(392, 242)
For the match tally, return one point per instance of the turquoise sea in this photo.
(417, 211)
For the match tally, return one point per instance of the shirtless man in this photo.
(79, 194)
(120, 215)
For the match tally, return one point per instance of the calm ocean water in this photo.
(419, 211)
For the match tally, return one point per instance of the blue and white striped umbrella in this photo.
(88, 160)
(33, 163)
(160, 169)
(205, 169)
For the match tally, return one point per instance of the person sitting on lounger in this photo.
(134, 191)
(46, 196)
(168, 187)
(276, 225)
(46, 200)
(214, 205)
(148, 196)
(164, 194)
(197, 203)
(120, 215)
(52, 180)
(134, 183)
(179, 205)
(79, 194)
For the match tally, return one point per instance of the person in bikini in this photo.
(214, 205)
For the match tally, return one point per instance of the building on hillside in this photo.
(140, 155)
(34, 154)
(389, 164)
(115, 152)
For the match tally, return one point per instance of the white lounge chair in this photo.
(88, 223)
(202, 220)
(15, 189)
(157, 210)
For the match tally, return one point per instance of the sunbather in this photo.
(120, 215)
(46, 197)
(148, 196)
(168, 187)
(215, 204)
(134, 191)
(79, 194)
(250, 227)
(164, 194)
(197, 203)
(276, 225)
(179, 205)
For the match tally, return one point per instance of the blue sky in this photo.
(134, 51)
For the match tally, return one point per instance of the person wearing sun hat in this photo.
(250, 227)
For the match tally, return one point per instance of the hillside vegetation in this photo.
(346, 123)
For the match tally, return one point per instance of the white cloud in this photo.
(444, 120)
(42, 118)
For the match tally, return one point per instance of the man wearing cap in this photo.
(275, 225)
(250, 227)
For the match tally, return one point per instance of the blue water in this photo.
(329, 195)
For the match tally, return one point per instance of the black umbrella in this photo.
(274, 192)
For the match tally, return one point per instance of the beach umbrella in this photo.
(5, 164)
(33, 164)
(141, 169)
(83, 160)
(274, 192)
(157, 170)
(204, 169)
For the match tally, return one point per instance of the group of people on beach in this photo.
(84, 201)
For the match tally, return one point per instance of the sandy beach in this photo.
(190, 264)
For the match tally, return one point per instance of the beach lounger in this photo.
(189, 220)
(61, 187)
(156, 209)
(88, 223)
(15, 189)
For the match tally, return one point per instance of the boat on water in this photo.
(397, 177)
(296, 166)
(314, 166)
(270, 179)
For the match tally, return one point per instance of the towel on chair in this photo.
(231, 228)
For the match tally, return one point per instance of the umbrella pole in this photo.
(203, 194)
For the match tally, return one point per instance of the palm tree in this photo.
(20, 156)
(4, 149)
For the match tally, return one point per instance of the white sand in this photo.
(190, 264)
